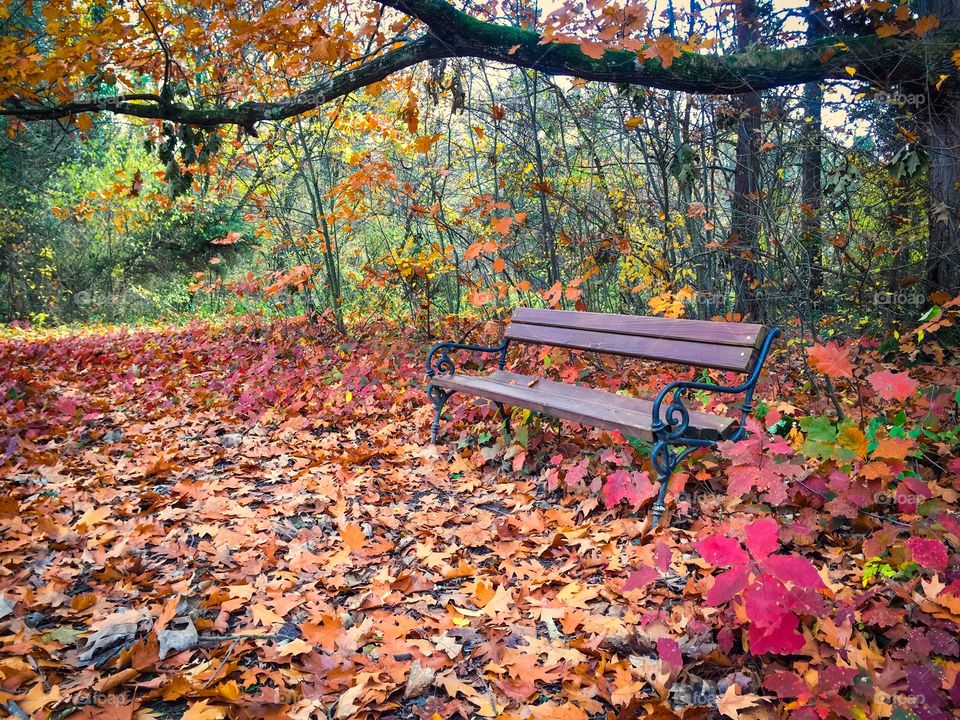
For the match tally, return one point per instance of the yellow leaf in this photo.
(229, 690)
(853, 439)
(466, 612)
(633, 122)
(38, 698)
(264, 615)
(297, 646)
(204, 711)
(851, 71)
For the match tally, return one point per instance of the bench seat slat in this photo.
(669, 349)
(630, 416)
(703, 331)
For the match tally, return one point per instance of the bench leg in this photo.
(660, 505)
(664, 460)
(438, 396)
(506, 417)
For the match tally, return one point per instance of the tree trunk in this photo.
(547, 235)
(942, 136)
(941, 129)
(811, 191)
(745, 215)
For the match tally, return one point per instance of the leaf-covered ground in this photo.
(248, 521)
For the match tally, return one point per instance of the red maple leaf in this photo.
(774, 588)
(930, 554)
(755, 465)
(891, 385)
(787, 685)
(722, 550)
(781, 637)
(634, 487)
(669, 651)
(639, 579)
(762, 537)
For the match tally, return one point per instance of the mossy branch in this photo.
(453, 33)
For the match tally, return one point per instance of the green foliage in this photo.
(88, 232)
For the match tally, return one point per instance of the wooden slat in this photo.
(705, 331)
(706, 425)
(671, 349)
(631, 416)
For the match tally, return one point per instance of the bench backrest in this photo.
(703, 343)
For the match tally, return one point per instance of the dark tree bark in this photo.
(942, 131)
(745, 212)
(547, 234)
(811, 191)
(940, 122)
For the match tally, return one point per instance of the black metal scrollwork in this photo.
(673, 432)
(443, 363)
(439, 362)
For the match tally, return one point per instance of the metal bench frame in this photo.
(667, 435)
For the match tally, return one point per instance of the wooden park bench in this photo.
(667, 424)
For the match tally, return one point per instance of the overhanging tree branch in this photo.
(871, 58)
(244, 114)
(453, 33)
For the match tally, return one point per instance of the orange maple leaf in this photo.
(423, 143)
(592, 49)
(353, 537)
(893, 448)
(925, 25)
(830, 359)
(502, 225)
(663, 48)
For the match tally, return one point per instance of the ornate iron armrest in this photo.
(678, 417)
(673, 432)
(444, 364)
